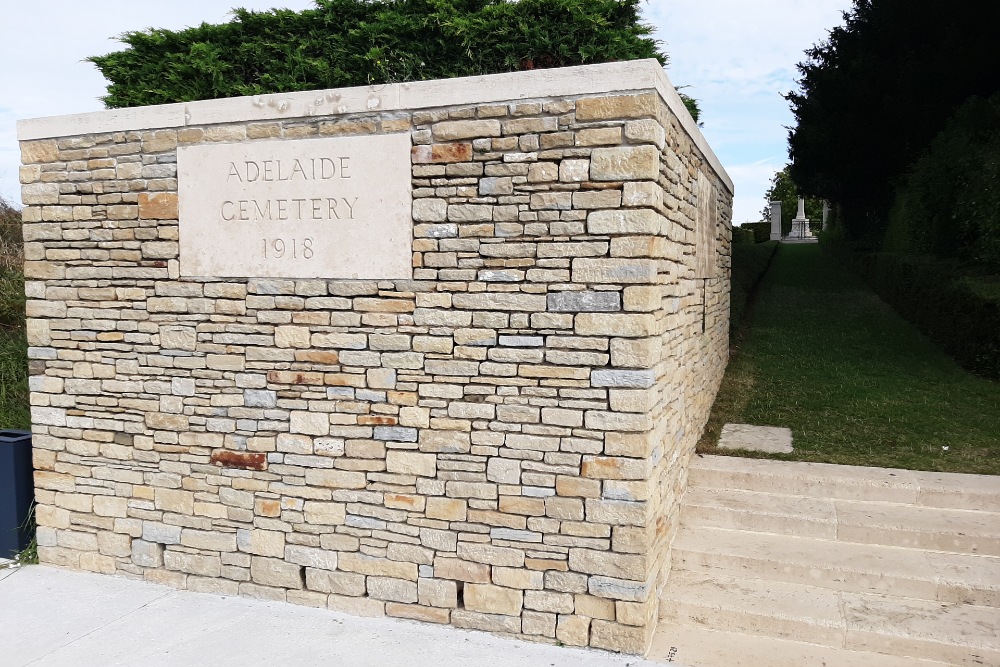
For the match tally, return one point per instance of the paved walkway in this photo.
(50, 616)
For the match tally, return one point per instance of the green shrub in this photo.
(948, 205)
(742, 235)
(343, 43)
(761, 231)
(750, 262)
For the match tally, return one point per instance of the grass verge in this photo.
(855, 382)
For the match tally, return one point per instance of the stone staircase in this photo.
(780, 564)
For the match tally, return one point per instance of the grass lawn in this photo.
(822, 355)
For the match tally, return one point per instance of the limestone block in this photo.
(388, 588)
(617, 512)
(538, 623)
(617, 637)
(418, 612)
(292, 336)
(503, 471)
(641, 221)
(616, 106)
(206, 566)
(446, 509)
(619, 589)
(587, 301)
(147, 554)
(543, 172)
(497, 556)
(208, 540)
(512, 577)
(577, 486)
(356, 606)
(336, 479)
(646, 131)
(473, 620)
(599, 136)
(158, 206)
(633, 567)
(309, 423)
(311, 557)
(625, 163)
(340, 583)
(593, 606)
(275, 572)
(465, 129)
(261, 542)
(621, 271)
(379, 567)
(160, 533)
(615, 324)
(40, 193)
(611, 377)
(411, 463)
(430, 210)
(573, 630)
(574, 171)
(634, 353)
(44, 150)
(461, 570)
(490, 599)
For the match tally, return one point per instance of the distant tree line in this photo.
(898, 126)
(900, 102)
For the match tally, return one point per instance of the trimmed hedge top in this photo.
(345, 43)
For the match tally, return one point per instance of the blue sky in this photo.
(737, 57)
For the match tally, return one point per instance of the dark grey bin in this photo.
(17, 490)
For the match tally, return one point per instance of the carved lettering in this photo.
(260, 210)
(297, 169)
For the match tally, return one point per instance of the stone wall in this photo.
(498, 442)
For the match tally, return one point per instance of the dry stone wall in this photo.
(498, 441)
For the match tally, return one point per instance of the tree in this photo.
(783, 189)
(343, 43)
(872, 97)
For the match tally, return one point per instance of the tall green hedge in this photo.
(948, 205)
(344, 43)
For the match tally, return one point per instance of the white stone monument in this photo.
(800, 223)
(826, 214)
(776, 221)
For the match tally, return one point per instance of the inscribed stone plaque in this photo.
(307, 208)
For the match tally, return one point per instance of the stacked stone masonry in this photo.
(498, 443)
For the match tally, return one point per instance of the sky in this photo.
(735, 57)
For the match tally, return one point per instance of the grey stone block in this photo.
(613, 377)
(396, 433)
(585, 302)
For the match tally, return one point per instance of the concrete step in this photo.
(866, 522)
(699, 646)
(959, 634)
(851, 567)
(826, 481)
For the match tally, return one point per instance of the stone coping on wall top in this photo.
(581, 80)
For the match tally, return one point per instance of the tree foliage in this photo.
(783, 189)
(873, 96)
(948, 204)
(342, 43)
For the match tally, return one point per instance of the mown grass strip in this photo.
(855, 382)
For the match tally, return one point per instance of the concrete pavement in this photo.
(50, 616)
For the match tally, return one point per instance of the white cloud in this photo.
(738, 59)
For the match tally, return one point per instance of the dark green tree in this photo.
(344, 43)
(872, 97)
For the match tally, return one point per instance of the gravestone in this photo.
(436, 350)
